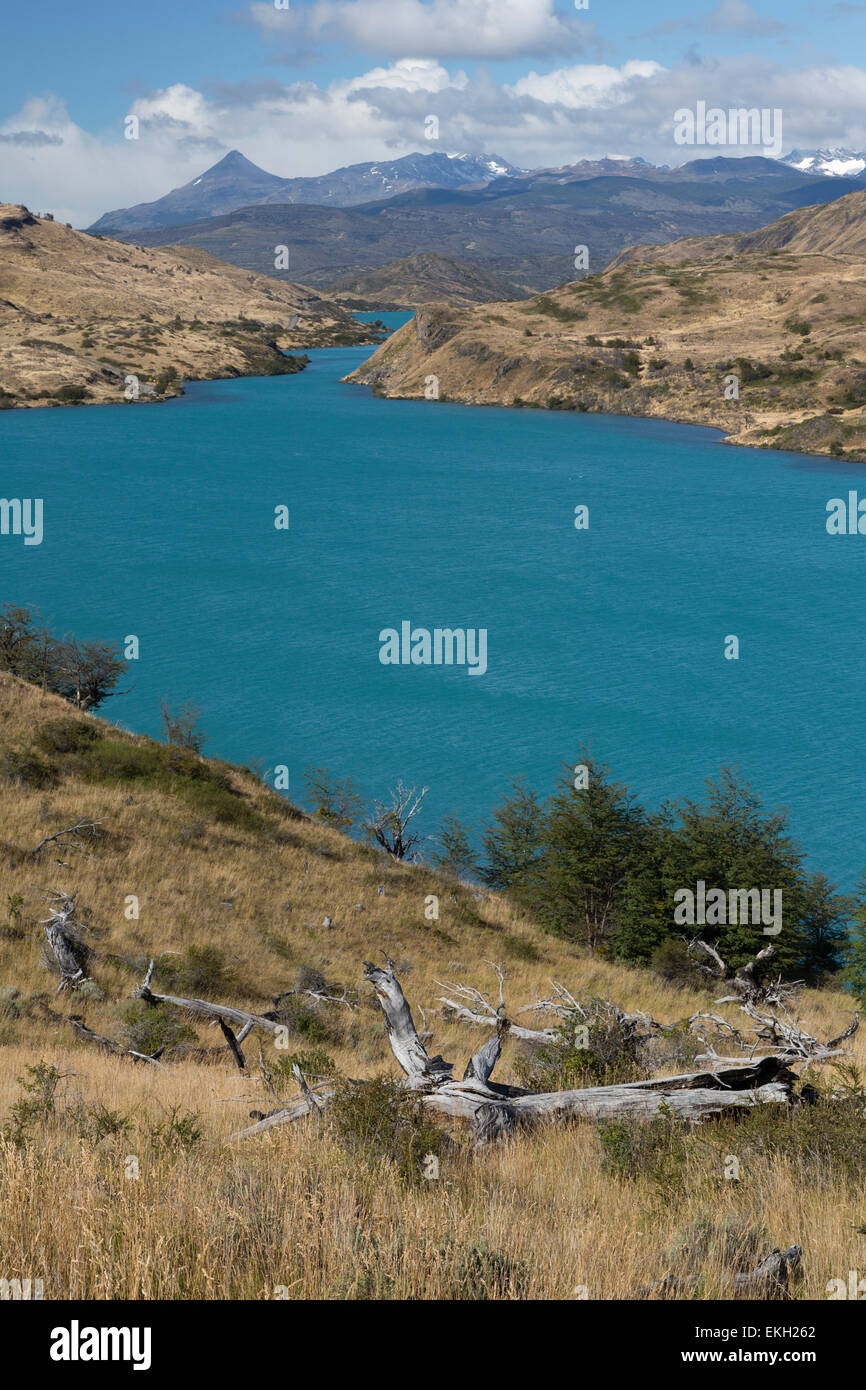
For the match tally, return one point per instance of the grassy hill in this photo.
(658, 333)
(227, 874)
(78, 313)
(424, 276)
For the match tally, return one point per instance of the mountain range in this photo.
(834, 163)
(235, 182)
(521, 226)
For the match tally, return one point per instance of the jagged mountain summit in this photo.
(835, 162)
(235, 182)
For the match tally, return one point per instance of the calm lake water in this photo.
(159, 521)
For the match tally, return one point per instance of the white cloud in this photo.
(483, 29)
(407, 75)
(587, 85)
(542, 119)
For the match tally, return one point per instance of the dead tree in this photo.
(389, 825)
(70, 830)
(746, 981)
(495, 1110)
(770, 1279)
(66, 949)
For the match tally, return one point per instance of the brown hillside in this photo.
(80, 312)
(658, 333)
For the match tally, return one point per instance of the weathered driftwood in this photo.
(779, 1032)
(107, 1044)
(770, 1279)
(221, 1012)
(70, 830)
(495, 1110)
(66, 948)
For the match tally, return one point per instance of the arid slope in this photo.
(79, 313)
(204, 860)
(658, 333)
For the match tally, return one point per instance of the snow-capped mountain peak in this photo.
(834, 162)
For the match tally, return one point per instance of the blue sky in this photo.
(321, 83)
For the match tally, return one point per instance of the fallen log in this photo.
(76, 1022)
(497, 1110)
(771, 1278)
(221, 1012)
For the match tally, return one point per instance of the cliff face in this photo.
(762, 336)
(79, 313)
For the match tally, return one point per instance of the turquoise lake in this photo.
(159, 521)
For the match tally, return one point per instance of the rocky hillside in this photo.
(79, 313)
(425, 276)
(665, 330)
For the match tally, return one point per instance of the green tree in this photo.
(87, 672)
(731, 841)
(514, 843)
(854, 952)
(453, 850)
(337, 800)
(595, 837)
(823, 914)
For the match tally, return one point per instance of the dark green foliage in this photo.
(24, 768)
(594, 837)
(379, 1121)
(315, 1064)
(85, 673)
(749, 371)
(521, 947)
(304, 1020)
(71, 395)
(854, 953)
(337, 800)
(672, 961)
(201, 971)
(453, 849)
(149, 1027)
(592, 866)
(514, 843)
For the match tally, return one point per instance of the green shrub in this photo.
(653, 1150)
(600, 1050)
(149, 1027)
(378, 1121)
(178, 1130)
(25, 769)
(303, 1020)
(67, 736)
(200, 971)
(672, 961)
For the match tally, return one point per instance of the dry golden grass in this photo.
(292, 1209)
(689, 309)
